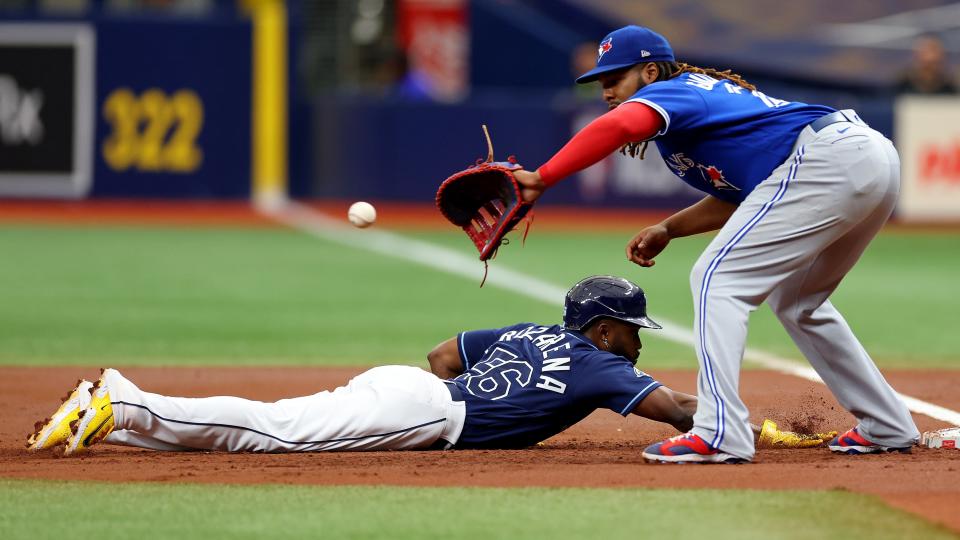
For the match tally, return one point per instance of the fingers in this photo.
(636, 249)
(639, 260)
(530, 195)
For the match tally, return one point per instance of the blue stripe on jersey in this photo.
(639, 397)
(705, 286)
(463, 353)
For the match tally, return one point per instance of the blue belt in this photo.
(454, 390)
(832, 118)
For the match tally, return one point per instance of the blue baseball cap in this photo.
(627, 47)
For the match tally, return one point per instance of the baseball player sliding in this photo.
(505, 388)
(797, 192)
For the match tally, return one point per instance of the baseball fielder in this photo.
(797, 192)
(508, 388)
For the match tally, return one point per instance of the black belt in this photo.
(832, 118)
(455, 393)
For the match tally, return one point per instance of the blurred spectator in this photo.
(406, 82)
(929, 72)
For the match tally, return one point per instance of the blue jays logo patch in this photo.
(714, 177)
(605, 46)
(681, 164)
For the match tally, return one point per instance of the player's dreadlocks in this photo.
(669, 70)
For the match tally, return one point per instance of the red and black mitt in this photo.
(484, 200)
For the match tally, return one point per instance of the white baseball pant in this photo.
(790, 243)
(385, 408)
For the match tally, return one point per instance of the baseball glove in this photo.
(484, 200)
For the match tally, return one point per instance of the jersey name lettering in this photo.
(771, 102)
(733, 88)
(707, 82)
(546, 340)
(702, 81)
(527, 332)
(548, 343)
(556, 364)
(547, 382)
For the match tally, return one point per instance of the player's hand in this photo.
(647, 244)
(771, 436)
(533, 186)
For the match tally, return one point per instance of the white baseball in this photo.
(362, 214)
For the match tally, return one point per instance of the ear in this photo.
(649, 72)
(603, 329)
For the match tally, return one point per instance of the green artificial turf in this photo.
(55, 510)
(179, 296)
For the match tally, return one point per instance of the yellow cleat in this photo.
(55, 430)
(93, 423)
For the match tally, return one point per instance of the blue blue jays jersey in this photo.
(525, 383)
(720, 137)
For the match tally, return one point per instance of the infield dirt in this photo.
(602, 451)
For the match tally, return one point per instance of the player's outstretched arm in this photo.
(677, 409)
(665, 405)
(604, 135)
(445, 360)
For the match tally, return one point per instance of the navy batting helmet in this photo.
(605, 296)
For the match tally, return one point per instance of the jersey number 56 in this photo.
(500, 373)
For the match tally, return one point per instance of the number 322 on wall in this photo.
(153, 132)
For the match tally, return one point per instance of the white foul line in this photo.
(453, 262)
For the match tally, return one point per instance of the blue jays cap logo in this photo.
(635, 44)
(605, 46)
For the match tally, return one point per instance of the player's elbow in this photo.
(435, 359)
(444, 360)
(629, 131)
